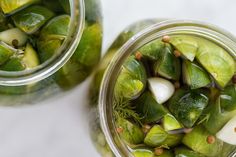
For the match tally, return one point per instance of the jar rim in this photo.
(76, 27)
(212, 32)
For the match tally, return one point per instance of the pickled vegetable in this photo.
(32, 18)
(157, 137)
(188, 105)
(197, 140)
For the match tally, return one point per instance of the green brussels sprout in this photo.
(152, 50)
(168, 66)
(227, 150)
(88, 51)
(185, 152)
(132, 79)
(14, 37)
(5, 53)
(197, 140)
(194, 75)
(217, 61)
(30, 58)
(157, 137)
(149, 109)
(130, 133)
(32, 18)
(221, 110)
(14, 64)
(187, 45)
(52, 36)
(11, 6)
(170, 123)
(188, 105)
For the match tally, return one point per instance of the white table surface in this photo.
(59, 128)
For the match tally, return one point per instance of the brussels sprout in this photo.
(88, 51)
(216, 61)
(156, 85)
(30, 58)
(221, 110)
(132, 79)
(32, 18)
(11, 6)
(5, 53)
(152, 50)
(52, 36)
(227, 150)
(194, 75)
(197, 140)
(168, 66)
(145, 152)
(14, 37)
(170, 123)
(187, 45)
(157, 137)
(185, 152)
(131, 133)
(149, 109)
(14, 64)
(188, 105)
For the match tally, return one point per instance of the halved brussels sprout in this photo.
(88, 51)
(14, 37)
(152, 50)
(132, 79)
(187, 45)
(170, 123)
(142, 152)
(131, 133)
(217, 61)
(194, 75)
(168, 66)
(146, 152)
(157, 137)
(185, 152)
(32, 18)
(197, 141)
(52, 36)
(11, 6)
(14, 64)
(188, 105)
(5, 53)
(30, 58)
(149, 109)
(221, 110)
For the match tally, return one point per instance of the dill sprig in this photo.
(124, 109)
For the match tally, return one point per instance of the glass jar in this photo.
(119, 52)
(74, 61)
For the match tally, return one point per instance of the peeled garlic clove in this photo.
(161, 89)
(228, 132)
(14, 37)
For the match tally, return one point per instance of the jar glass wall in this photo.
(70, 62)
(171, 28)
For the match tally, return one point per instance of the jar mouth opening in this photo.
(46, 69)
(168, 27)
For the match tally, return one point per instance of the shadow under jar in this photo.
(169, 91)
(47, 47)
